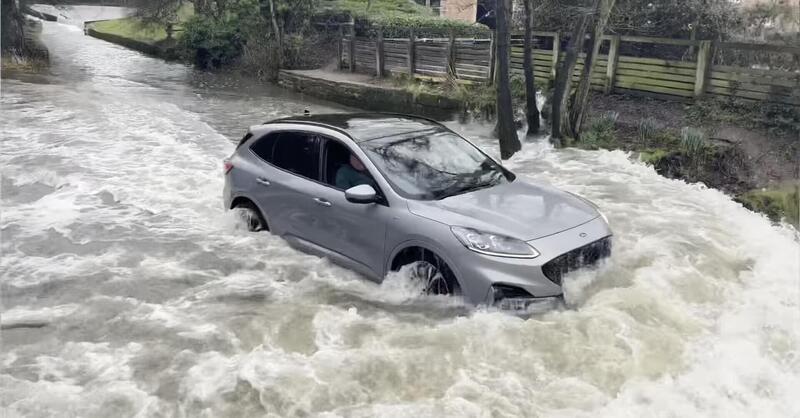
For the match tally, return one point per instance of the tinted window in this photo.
(433, 165)
(263, 147)
(297, 152)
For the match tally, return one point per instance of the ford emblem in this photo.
(582, 235)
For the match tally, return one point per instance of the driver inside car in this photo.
(352, 174)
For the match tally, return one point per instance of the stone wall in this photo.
(373, 98)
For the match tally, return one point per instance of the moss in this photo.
(780, 203)
(653, 157)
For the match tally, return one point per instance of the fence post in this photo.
(611, 67)
(556, 54)
(492, 59)
(411, 52)
(352, 53)
(340, 48)
(379, 57)
(703, 67)
(451, 55)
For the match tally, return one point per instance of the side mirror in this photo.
(363, 193)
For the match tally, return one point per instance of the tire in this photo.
(251, 217)
(436, 276)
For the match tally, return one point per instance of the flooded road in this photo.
(128, 291)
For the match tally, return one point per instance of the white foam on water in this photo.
(155, 300)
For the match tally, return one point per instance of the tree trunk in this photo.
(532, 111)
(580, 103)
(506, 130)
(13, 28)
(277, 30)
(563, 85)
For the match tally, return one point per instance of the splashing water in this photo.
(127, 289)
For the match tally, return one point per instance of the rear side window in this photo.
(298, 153)
(263, 147)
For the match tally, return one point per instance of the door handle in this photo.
(262, 181)
(323, 202)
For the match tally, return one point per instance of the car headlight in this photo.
(493, 244)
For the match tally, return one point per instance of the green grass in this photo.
(134, 28)
(652, 157)
(779, 203)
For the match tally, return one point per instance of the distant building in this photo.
(463, 10)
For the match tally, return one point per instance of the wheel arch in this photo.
(243, 199)
(403, 248)
(238, 200)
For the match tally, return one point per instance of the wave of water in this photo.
(126, 288)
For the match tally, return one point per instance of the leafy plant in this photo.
(693, 143)
(606, 122)
(646, 130)
(600, 133)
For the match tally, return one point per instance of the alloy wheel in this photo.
(431, 277)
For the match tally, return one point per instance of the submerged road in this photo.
(127, 290)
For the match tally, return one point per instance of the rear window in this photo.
(297, 153)
(292, 151)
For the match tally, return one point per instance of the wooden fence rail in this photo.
(472, 60)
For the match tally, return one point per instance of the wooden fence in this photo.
(694, 76)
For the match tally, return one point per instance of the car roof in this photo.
(365, 126)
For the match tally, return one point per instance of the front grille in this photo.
(580, 257)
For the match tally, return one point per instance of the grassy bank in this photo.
(746, 149)
(778, 203)
(141, 31)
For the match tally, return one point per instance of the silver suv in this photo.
(376, 192)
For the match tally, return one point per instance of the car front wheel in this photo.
(431, 272)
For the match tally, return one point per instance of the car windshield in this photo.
(433, 164)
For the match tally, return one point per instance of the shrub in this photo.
(212, 43)
(394, 26)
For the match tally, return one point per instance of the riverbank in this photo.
(749, 150)
(33, 57)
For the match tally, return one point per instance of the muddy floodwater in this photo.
(127, 290)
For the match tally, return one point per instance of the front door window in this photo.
(343, 169)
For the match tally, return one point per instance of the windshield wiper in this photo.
(457, 189)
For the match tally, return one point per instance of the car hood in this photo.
(517, 209)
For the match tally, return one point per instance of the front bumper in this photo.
(480, 275)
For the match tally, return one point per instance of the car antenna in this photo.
(306, 112)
